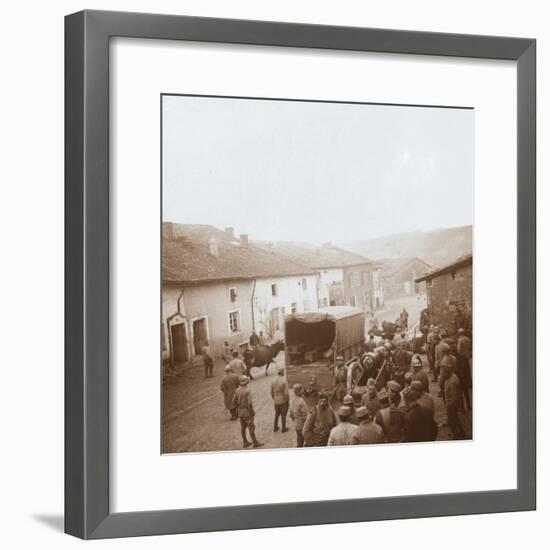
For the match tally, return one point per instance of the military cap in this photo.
(371, 382)
(362, 412)
(227, 368)
(344, 411)
(383, 397)
(348, 399)
(339, 358)
(410, 395)
(394, 386)
(417, 385)
(243, 380)
(447, 362)
(416, 361)
(460, 331)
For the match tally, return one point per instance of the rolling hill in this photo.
(438, 247)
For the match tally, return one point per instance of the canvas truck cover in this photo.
(346, 324)
(313, 339)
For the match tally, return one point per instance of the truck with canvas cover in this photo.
(313, 341)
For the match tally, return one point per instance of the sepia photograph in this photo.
(316, 273)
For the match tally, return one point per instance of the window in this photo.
(306, 305)
(325, 302)
(233, 295)
(355, 278)
(304, 284)
(353, 301)
(234, 321)
(273, 289)
(366, 299)
(293, 307)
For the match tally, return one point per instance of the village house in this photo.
(218, 287)
(345, 278)
(399, 276)
(449, 292)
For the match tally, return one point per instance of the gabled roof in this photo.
(391, 266)
(187, 257)
(461, 262)
(324, 256)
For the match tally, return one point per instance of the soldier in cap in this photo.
(349, 402)
(237, 365)
(319, 423)
(419, 373)
(341, 434)
(281, 397)
(408, 381)
(248, 357)
(227, 352)
(402, 361)
(431, 341)
(340, 379)
(242, 401)
(423, 398)
(390, 417)
(452, 395)
(230, 382)
(463, 369)
(418, 422)
(298, 413)
(207, 360)
(394, 391)
(367, 431)
(370, 398)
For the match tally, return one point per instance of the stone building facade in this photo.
(449, 293)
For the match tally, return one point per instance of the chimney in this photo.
(213, 247)
(244, 239)
(229, 232)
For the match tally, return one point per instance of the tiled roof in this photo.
(392, 265)
(187, 257)
(461, 262)
(315, 256)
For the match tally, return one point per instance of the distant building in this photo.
(399, 275)
(449, 292)
(218, 287)
(345, 278)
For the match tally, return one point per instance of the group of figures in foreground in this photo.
(400, 411)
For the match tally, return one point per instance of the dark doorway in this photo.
(179, 342)
(199, 335)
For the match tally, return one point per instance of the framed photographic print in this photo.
(282, 242)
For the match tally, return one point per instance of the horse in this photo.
(265, 355)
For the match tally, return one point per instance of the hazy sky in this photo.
(284, 170)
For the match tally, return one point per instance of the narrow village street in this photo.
(195, 420)
(393, 307)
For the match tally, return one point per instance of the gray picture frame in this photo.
(87, 478)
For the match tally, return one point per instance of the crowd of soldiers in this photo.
(401, 410)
